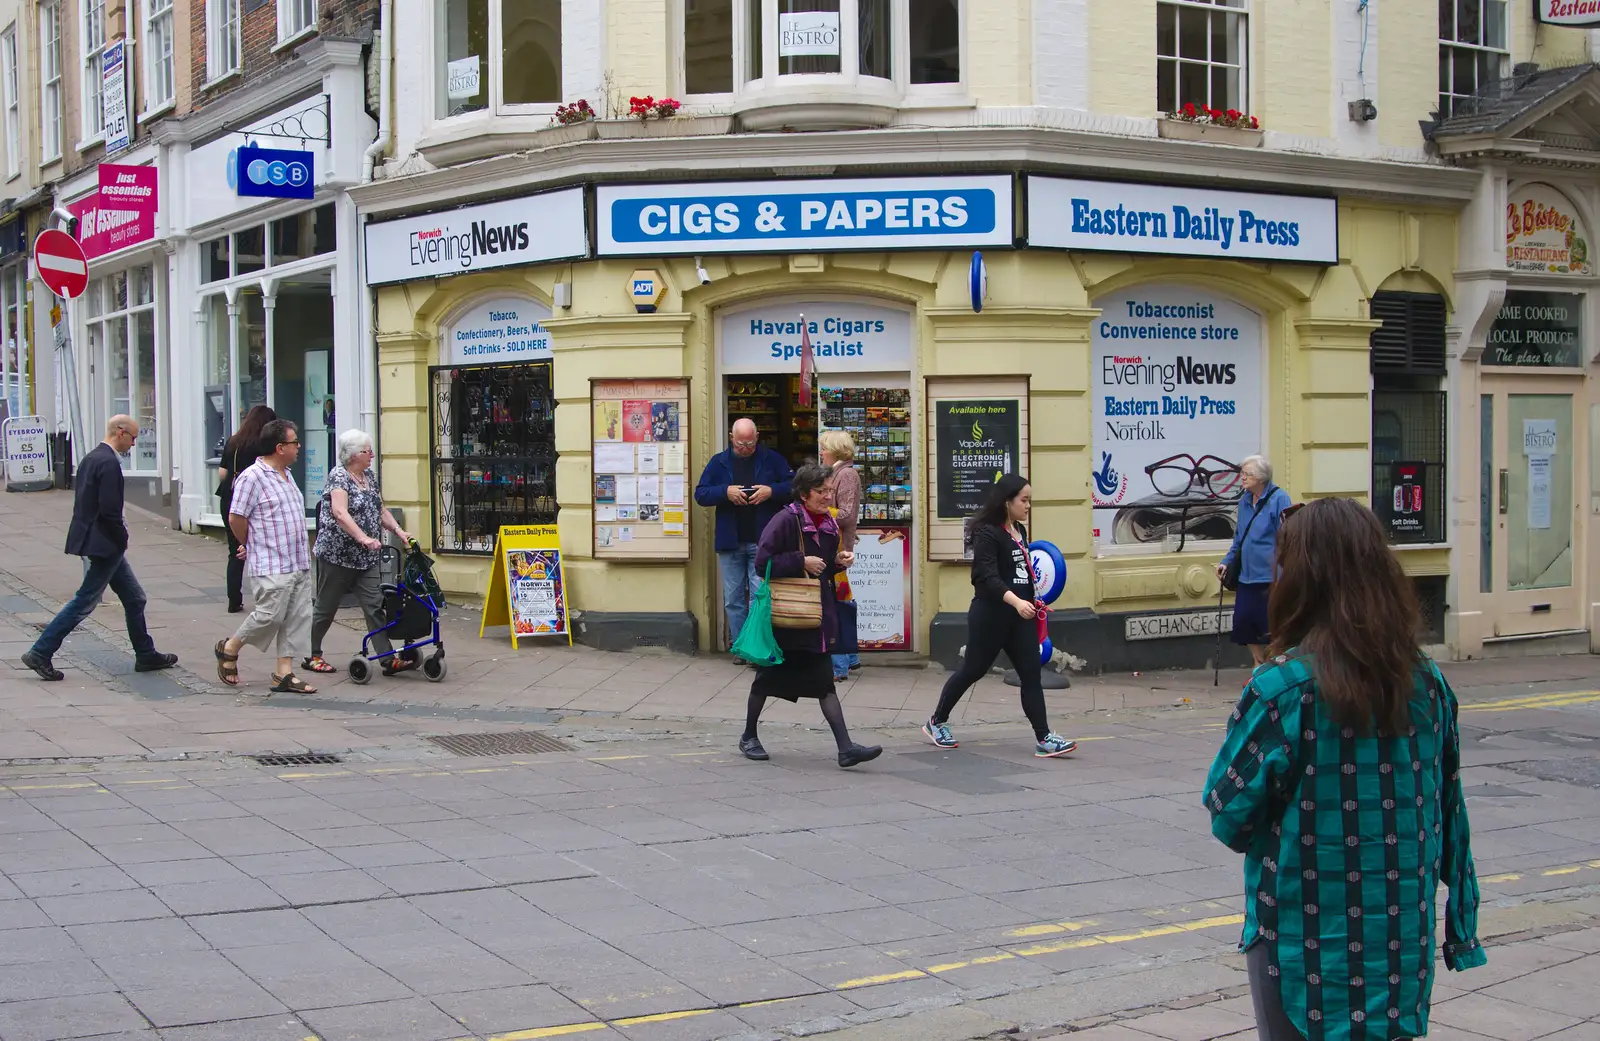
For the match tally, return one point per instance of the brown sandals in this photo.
(291, 684)
(227, 664)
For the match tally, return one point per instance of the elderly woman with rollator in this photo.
(350, 520)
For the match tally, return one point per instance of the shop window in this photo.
(1201, 48)
(497, 52)
(249, 250)
(493, 458)
(17, 356)
(214, 259)
(121, 328)
(8, 81)
(160, 77)
(309, 233)
(1473, 50)
(93, 39)
(1409, 424)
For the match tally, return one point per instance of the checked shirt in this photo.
(1346, 839)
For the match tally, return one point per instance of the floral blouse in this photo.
(334, 544)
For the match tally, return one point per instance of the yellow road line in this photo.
(562, 1031)
(1150, 932)
(1533, 701)
(1051, 929)
(1551, 872)
(662, 1017)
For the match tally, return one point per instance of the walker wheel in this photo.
(360, 671)
(434, 668)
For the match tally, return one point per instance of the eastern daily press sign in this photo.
(528, 230)
(1189, 222)
(803, 216)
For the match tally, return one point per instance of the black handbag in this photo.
(845, 642)
(1230, 576)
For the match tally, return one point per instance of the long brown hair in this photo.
(1342, 597)
(246, 441)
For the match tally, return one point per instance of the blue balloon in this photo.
(1045, 651)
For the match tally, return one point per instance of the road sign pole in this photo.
(60, 263)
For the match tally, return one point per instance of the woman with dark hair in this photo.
(241, 450)
(803, 541)
(1001, 617)
(1339, 780)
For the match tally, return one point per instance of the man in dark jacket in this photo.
(748, 485)
(98, 532)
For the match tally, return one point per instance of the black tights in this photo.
(992, 628)
(832, 711)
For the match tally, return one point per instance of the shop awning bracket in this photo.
(313, 123)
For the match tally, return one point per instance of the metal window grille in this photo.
(494, 453)
(1408, 429)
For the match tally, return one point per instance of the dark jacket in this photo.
(780, 545)
(236, 458)
(995, 560)
(717, 477)
(97, 528)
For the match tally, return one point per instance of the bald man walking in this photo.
(99, 533)
(747, 484)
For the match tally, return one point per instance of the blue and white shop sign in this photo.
(529, 230)
(845, 337)
(503, 329)
(803, 216)
(1181, 221)
(273, 173)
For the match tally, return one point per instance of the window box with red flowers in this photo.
(1212, 125)
(658, 117)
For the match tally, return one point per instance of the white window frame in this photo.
(1450, 46)
(92, 40)
(497, 103)
(10, 85)
(296, 18)
(849, 44)
(224, 39)
(1238, 8)
(100, 352)
(50, 99)
(160, 65)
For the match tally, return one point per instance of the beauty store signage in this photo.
(803, 216)
(1178, 221)
(528, 230)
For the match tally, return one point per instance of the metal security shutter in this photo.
(1411, 341)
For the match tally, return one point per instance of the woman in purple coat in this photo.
(803, 540)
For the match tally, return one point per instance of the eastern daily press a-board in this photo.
(527, 587)
(640, 463)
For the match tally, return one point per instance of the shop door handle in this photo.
(1505, 489)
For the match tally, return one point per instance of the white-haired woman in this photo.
(1255, 548)
(350, 518)
(838, 454)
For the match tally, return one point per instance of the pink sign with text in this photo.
(128, 187)
(105, 227)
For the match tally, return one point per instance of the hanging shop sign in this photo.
(1181, 221)
(502, 329)
(845, 337)
(128, 187)
(114, 96)
(106, 226)
(272, 173)
(880, 583)
(979, 443)
(803, 216)
(1544, 234)
(1177, 404)
(527, 587)
(529, 230)
(1536, 330)
(1578, 13)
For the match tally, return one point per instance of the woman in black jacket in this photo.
(1001, 618)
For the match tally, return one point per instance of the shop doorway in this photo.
(1533, 454)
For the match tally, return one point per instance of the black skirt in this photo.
(803, 674)
(1250, 614)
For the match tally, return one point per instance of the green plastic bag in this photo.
(756, 643)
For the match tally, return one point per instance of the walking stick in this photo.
(1216, 658)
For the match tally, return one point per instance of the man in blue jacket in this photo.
(747, 485)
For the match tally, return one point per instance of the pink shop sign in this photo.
(128, 187)
(105, 229)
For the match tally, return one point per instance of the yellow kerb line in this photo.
(1534, 701)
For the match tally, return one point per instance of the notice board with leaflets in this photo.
(978, 430)
(640, 463)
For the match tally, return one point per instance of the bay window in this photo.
(495, 53)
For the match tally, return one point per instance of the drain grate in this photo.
(519, 742)
(303, 759)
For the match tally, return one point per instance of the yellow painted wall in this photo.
(1408, 69)
(1037, 321)
(1291, 47)
(1122, 76)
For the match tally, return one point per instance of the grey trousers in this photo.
(333, 582)
(1272, 1023)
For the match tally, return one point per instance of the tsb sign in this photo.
(272, 173)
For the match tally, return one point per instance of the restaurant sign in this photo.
(1567, 12)
(1544, 234)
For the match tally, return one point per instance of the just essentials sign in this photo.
(1193, 222)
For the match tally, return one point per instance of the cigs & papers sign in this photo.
(1567, 12)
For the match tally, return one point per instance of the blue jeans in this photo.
(843, 662)
(738, 584)
(103, 572)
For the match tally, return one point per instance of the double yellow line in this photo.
(1533, 701)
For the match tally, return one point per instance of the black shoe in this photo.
(41, 665)
(235, 608)
(751, 748)
(855, 755)
(855, 666)
(155, 661)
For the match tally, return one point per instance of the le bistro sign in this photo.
(1567, 12)
(1544, 234)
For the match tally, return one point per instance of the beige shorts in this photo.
(280, 623)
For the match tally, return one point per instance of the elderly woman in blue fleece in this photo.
(1255, 543)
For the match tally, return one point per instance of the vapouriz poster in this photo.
(1536, 330)
(979, 442)
(1177, 386)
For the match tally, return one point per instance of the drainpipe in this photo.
(369, 159)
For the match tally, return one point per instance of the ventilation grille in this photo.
(520, 742)
(302, 759)
(1412, 338)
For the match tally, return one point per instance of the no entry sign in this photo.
(61, 263)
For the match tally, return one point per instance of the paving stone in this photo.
(255, 928)
(407, 1020)
(129, 939)
(206, 898)
(61, 1019)
(1203, 1023)
(265, 1028)
(316, 974)
(327, 887)
(124, 906)
(59, 978)
(510, 1009)
(81, 880)
(416, 879)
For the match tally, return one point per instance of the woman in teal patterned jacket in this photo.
(1339, 782)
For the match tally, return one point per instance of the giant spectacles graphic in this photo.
(1209, 476)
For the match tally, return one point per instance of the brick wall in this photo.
(343, 19)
